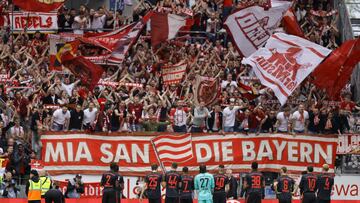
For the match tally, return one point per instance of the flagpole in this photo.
(157, 157)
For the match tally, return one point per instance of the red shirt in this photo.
(135, 109)
(348, 106)
(21, 106)
(228, 3)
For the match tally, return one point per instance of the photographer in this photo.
(8, 187)
(75, 187)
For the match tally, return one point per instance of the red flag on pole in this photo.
(88, 72)
(335, 71)
(165, 26)
(290, 24)
(39, 5)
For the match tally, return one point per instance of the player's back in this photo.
(255, 182)
(325, 184)
(204, 184)
(109, 179)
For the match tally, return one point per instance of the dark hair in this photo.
(185, 169)
(254, 165)
(174, 165)
(154, 167)
(202, 168)
(310, 169)
(221, 166)
(284, 169)
(114, 166)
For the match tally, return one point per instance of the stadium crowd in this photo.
(34, 99)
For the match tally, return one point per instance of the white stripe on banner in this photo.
(172, 141)
(173, 156)
(174, 149)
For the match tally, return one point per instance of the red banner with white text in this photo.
(43, 22)
(92, 153)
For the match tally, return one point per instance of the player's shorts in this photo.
(186, 200)
(219, 198)
(254, 197)
(323, 201)
(309, 198)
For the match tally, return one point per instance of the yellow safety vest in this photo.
(45, 185)
(34, 190)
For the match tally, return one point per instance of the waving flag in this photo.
(333, 73)
(251, 27)
(291, 25)
(173, 74)
(88, 72)
(39, 5)
(173, 148)
(165, 26)
(206, 89)
(285, 62)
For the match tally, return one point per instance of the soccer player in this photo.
(308, 186)
(109, 181)
(187, 186)
(254, 184)
(325, 184)
(221, 186)
(171, 181)
(285, 187)
(152, 185)
(204, 185)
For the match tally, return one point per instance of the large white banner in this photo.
(43, 22)
(285, 62)
(251, 27)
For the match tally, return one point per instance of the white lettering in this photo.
(107, 155)
(54, 153)
(319, 151)
(227, 151)
(83, 152)
(122, 153)
(70, 153)
(136, 151)
(203, 147)
(248, 150)
(265, 151)
(305, 152)
(292, 151)
(279, 148)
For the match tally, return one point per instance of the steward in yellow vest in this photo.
(33, 188)
(45, 182)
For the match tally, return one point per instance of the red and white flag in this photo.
(335, 71)
(206, 90)
(251, 27)
(165, 26)
(173, 148)
(39, 5)
(291, 25)
(173, 74)
(285, 62)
